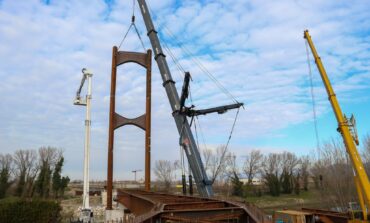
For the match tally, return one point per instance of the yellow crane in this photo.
(346, 128)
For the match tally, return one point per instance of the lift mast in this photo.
(86, 212)
(203, 184)
(347, 129)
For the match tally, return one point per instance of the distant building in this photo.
(255, 181)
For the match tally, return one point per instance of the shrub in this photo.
(237, 185)
(15, 210)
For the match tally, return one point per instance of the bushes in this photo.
(14, 210)
(4, 181)
(237, 185)
(273, 183)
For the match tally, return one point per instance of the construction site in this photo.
(204, 185)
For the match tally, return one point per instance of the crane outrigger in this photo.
(347, 129)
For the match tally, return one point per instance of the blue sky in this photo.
(254, 48)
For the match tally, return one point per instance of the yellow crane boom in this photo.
(344, 127)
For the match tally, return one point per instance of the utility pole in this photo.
(186, 136)
(86, 212)
(135, 171)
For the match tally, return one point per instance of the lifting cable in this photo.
(175, 60)
(229, 137)
(195, 127)
(200, 65)
(188, 53)
(313, 101)
(132, 25)
(201, 132)
(196, 132)
(228, 141)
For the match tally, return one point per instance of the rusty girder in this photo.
(328, 216)
(150, 206)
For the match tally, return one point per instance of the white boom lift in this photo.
(86, 212)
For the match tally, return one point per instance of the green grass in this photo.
(305, 195)
(267, 202)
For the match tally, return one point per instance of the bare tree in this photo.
(316, 170)
(207, 154)
(230, 174)
(271, 170)
(289, 162)
(5, 170)
(230, 167)
(164, 171)
(25, 164)
(366, 153)
(252, 164)
(271, 164)
(336, 175)
(48, 157)
(304, 171)
(6, 161)
(215, 162)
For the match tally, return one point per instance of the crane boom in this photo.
(361, 178)
(204, 185)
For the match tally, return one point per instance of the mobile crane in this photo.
(180, 111)
(347, 129)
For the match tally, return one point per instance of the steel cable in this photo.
(196, 61)
(136, 29)
(313, 101)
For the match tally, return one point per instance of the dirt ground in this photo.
(71, 208)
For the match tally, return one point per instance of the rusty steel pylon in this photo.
(117, 121)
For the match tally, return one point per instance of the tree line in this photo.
(328, 171)
(33, 173)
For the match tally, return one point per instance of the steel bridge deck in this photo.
(159, 207)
